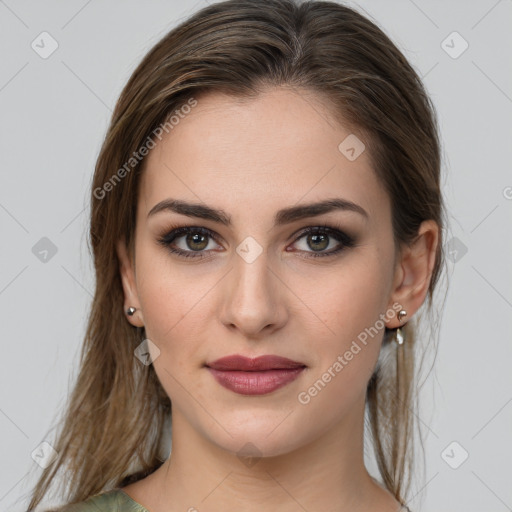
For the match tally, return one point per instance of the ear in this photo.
(131, 298)
(414, 271)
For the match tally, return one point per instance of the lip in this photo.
(257, 376)
(242, 363)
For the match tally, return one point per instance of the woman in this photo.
(266, 222)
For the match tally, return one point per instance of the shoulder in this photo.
(110, 501)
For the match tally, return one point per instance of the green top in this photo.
(111, 501)
(114, 501)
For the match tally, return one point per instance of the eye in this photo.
(196, 241)
(319, 238)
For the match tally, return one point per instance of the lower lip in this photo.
(255, 383)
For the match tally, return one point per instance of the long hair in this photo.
(113, 427)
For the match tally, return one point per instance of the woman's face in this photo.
(256, 284)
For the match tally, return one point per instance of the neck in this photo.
(326, 474)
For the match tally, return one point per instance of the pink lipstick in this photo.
(257, 376)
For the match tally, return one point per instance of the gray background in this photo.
(54, 114)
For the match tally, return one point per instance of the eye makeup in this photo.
(198, 235)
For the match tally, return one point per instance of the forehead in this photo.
(253, 156)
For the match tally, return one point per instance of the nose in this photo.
(254, 298)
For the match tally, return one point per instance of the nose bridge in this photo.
(253, 301)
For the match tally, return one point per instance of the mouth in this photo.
(256, 376)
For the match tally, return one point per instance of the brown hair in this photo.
(114, 423)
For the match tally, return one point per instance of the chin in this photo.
(258, 437)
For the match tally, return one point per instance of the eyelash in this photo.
(176, 232)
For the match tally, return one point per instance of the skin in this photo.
(251, 158)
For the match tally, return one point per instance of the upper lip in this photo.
(267, 362)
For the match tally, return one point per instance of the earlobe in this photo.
(127, 274)
(415, 269)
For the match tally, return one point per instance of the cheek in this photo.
(173, 305)
(346, 299)
(174, 322)
(349, 303)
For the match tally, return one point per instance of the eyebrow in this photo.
(284, 216)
